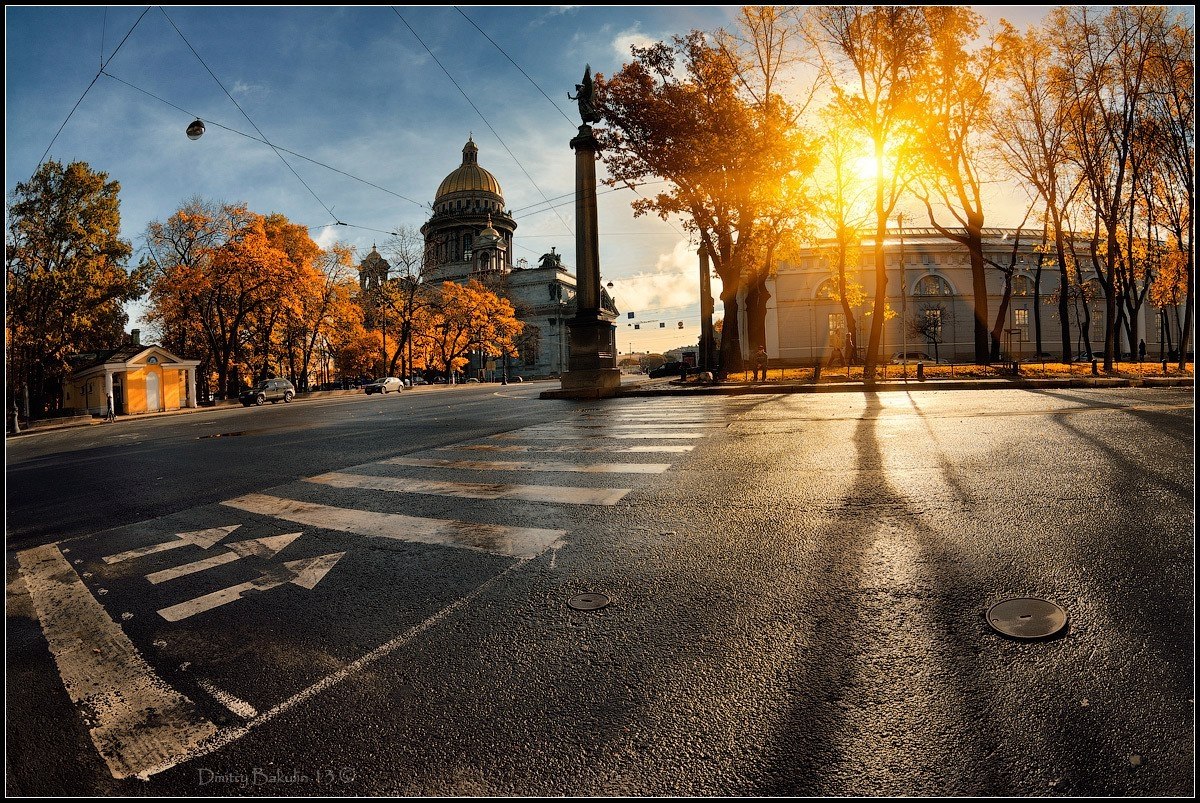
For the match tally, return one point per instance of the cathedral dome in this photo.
(469, 177)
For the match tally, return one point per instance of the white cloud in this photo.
(327, 237)
(673, 284)
(243, 90)
(630, 36)
(551, 14)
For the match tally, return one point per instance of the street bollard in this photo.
(1016, 368)
(1164, 366)
(816, 372)
(920, 372)
(1095, 371)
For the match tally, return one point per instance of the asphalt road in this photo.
(368, 596)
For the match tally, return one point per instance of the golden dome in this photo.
(469, 177)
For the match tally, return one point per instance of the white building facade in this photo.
(929, 290)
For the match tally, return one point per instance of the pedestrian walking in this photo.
(110, 414)
(760, 363)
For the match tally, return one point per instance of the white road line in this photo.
(475, 490)
(201, 538)
(490, 447)
(643, 425)
(532, 465)
(562, 436)
(256, 547)
(517, 542)
(135, 719)
(240, 707)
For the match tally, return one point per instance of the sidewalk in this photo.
(673, 387)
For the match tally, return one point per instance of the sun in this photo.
(865, 169)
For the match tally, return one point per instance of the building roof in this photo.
(94, 359)
(469, 177)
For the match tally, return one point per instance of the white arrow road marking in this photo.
(532, 465)
(491, 447)
(305, 573)
(135, 719)
(254, 547)
(201, 538)
(517, 542)
(475, 490)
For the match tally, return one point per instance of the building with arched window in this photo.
(931, 303)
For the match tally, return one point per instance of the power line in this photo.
(518, 66)
(89, 89)
(243, 111)
(481, 116)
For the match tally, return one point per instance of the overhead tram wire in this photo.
(243, 111)
(482, 117)
(230, 129)
(518, 66)
(89, 87)
(557, 108)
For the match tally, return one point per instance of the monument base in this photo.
(591, 383)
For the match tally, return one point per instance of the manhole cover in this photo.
(1027, 618)
(588, 602)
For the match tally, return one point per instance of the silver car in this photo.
(384, 385)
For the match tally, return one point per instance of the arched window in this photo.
(931, 285)
(827, 291)
(1021, 285)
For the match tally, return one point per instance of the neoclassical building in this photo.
(929, 289)
(470, 236)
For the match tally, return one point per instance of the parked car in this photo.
(269, 390)
(417, 380)
(910, 357)
(384, 385)
(666, 369)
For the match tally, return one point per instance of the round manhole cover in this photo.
(1027, 618)
(588, 602)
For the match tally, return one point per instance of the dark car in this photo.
(671, 369)
(270, 390)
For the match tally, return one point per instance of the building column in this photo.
(108, 393)
(191, 388)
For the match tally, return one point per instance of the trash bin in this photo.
(920, 372)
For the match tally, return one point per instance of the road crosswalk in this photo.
(580, 465)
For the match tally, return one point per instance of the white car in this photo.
(384, 385)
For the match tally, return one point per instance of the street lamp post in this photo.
(903, 294)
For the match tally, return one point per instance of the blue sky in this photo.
(354, 89)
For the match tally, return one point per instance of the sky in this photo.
(355, 89)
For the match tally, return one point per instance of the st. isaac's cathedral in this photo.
(470, 236)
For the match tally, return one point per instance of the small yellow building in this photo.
(138, 378)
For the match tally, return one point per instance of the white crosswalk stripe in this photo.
(492, 447)
(531, 465)
(549, 435)
(473, 490)
(517, 542)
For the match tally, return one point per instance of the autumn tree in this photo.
(1172, 109)
(470, 318)
(872, 56)
(405, 299)
(1030, 128)
(843, 208)
(66, 276)
(1104, 58)
(679, 112)
(321, 301)
(955, 87)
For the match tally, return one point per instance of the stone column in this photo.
(707, 361)
(191, 388)
(108, 392)
(592, 364)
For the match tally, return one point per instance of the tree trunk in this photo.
(997, 330)
(756, 313)
(731, 347)
(978, 288)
